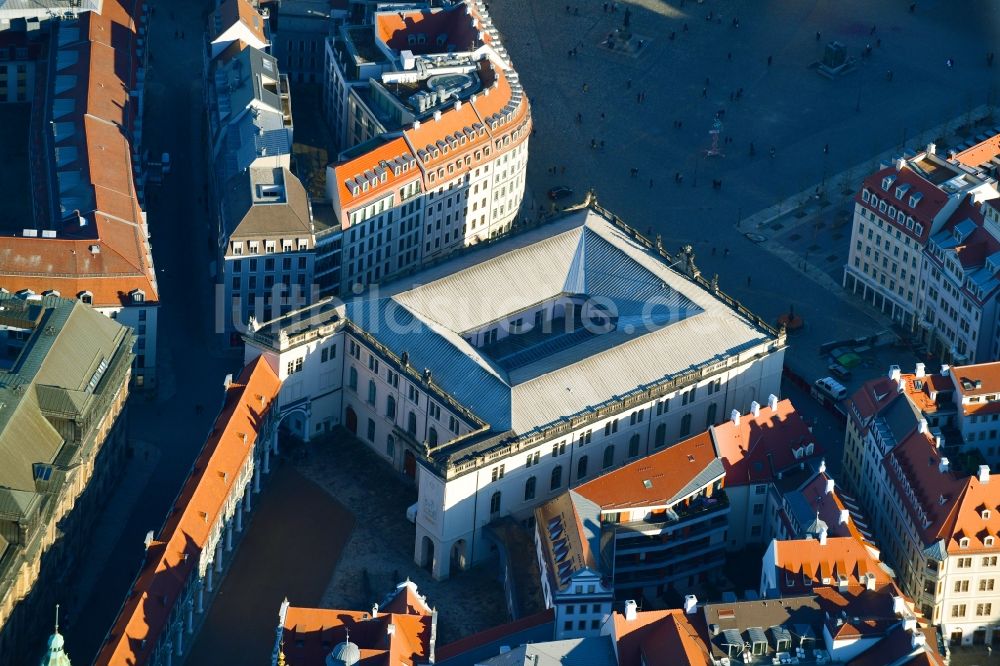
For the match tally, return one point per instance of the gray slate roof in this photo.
(243, 218)
(592, 651)
(666, 323)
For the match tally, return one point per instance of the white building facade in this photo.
(496, 401)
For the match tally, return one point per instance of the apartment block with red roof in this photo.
(654, 525)
(88, 237)
(933, 520)
(433, 127)
(899, 208)
(185, 561)
(401, 631)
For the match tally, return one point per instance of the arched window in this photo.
(609, 456)
(432, 436)
(390, 407)
(411, 424)
(685, 425)
(556, 480)
(390, 446)
(371, 391)
(352, 379)
(710, 417)
(661, 436)
(529, 489)
(581, 468)
(633, 446)
(495, 503)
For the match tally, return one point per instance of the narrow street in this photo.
(167, 429)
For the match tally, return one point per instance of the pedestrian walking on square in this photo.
(913, 7)
(872, 31)
(685, 28)
(989, 59)
(605, 8)
(628, 84)
(585, 87)
(817, 35)
(770, 59)
(748, 280)
(704, 92)
(650, 183)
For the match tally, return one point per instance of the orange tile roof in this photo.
(309, 635)
(654, 480)
(964, 498)
(170, 562)
(393, 29)
(233, 11)
(105, 71)
(364, 167)
(759, 447)
(924, 393)
(801, 559)
(965, 378)
(981, 153)
(659, 638)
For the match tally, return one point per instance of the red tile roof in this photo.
(102, 120)
(874, 396)
(659, 638)
(458, 25)
(808, 559)
(654, 480)
(759, 447)
(171, 560)
(960, 514)
(981, 153)
(386, 639)
(932, 201)
(232, 11)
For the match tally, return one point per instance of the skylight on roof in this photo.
(647, 484)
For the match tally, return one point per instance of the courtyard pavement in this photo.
(689, 78)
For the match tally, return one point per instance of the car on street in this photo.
(828, 388)
(839, 371)
(560, 192)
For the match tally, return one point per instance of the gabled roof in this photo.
(760, 447)
(231, 12)
(246, 217)
(873, 396)
(172, 558)
(570, 536)
(659, 638)
(931, 199)
(659, 480)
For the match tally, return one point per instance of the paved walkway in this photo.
(380, 551)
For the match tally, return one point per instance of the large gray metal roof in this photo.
(666, 323)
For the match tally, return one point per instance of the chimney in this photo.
(690, 604)
(984, 474)
(822, 465)
(943, 465)
(921, 371)
(900, 163)
(434, 633)
(822, 537)
(228, 381)
(830, 483)
(900, 384)
(148, 541)
(390, 629)
(938, 441)
(374, 610)
(894, 373)
(631, 610)
(734, 416)
(898, 605)
(922, 426)
(917, 639)
(437, 115)
(932, 149)
(416, 124)
(772, 402)
(458, 104)
(870, 581)
(755, 408)
(945, 370)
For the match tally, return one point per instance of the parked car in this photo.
(560, 192)
(839, 371)
(828, 388)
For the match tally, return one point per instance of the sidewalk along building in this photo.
(64, 381)
(933, 514)
(184, 563)
(401, 630)
(264, 225)
(494, 398)
(82, 232)
(898, 210)
(654, 525)
(433, 127)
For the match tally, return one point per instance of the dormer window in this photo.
(865, 195)
(909, 221)
(901, 190)
(915, 199)
(988, 541)
(887, 182)
(919, 229)
(892, 211)
(963, 542)
(900, 216)
(985, 514)
(881, 206)
(86, 297)
(137, 295)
